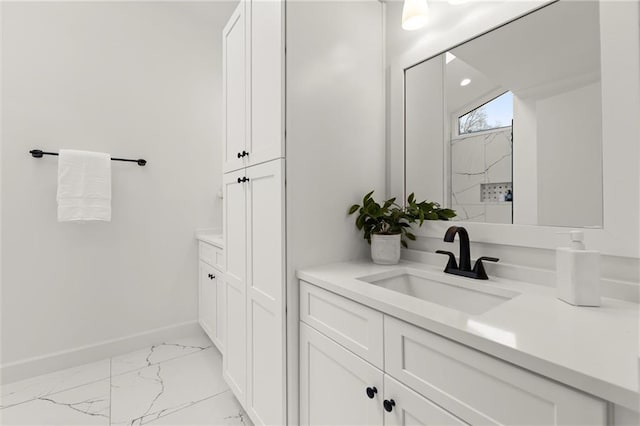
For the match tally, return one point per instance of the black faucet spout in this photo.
(464, 269)
(465, 251)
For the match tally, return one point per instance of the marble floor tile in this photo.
(159, 353)
(141, 396)
(83, 405)
(222, 409)
(178, 382)
(35, 387)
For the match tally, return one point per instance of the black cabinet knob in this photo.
(371, 392)
(388, 405)
(242, 154)
(240, 180)
(211, 276)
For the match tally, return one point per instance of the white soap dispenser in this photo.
(578, 273)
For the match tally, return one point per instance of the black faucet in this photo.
(464, 269)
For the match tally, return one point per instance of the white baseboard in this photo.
(44, 364)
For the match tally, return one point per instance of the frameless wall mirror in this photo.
(507, 128)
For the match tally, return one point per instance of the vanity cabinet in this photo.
(211, 292)
(343, 389)
(478, 387)
(431, 379)
(334, 383)
(253, 81)
(411, 408)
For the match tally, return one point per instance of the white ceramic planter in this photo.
(385, 249)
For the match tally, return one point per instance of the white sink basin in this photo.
(473, 297)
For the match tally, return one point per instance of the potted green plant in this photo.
(388, 225)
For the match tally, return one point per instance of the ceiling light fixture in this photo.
(465, 82)
(414, 14)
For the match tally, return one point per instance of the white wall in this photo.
(134, 80)
(334, 141)
(525, 161)
(424, 131)
(570, 156)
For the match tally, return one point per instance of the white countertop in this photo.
(591, 349)
(210, 237)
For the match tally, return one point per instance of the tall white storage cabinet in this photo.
(253, 80)
(254, 364)
(234, 91)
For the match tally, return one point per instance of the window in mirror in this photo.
(495, 114)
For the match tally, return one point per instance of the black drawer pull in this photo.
(371, 392)
(388, 405)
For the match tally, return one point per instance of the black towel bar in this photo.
(36, 153)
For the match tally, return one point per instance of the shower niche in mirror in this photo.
(507, 128)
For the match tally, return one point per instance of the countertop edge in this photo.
(592, 385)
(209, 238)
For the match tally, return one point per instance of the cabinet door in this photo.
(266, 363)
(334, 382)
(235, 93)
(266, 137)
(235, 236)
(207, 300)
(411, 408)
(220, 312)
(479, 388)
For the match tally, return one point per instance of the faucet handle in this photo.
(478, 268)
(451, 264)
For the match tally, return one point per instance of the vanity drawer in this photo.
(212, 255)
(354, 326)
(479, 388)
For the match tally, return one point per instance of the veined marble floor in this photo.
(173, 383)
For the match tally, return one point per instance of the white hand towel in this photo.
(84, 186)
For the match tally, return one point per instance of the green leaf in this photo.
(410, 236)
(388, 203)
(411, 198)
(448, 213)
(354, 208)
(366, 197)
(404, 243)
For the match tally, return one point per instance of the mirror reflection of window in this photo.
(481, 150)
(495, 114)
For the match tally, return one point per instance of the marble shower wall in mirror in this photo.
(506, 128)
